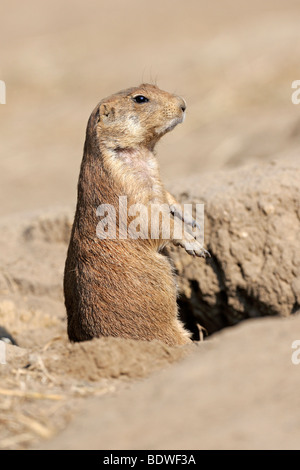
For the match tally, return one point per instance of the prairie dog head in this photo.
(136, 117)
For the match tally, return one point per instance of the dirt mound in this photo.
(109, 358)
(238, 390)
(42, 388)
(252, 230)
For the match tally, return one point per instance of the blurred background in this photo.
(233, 61)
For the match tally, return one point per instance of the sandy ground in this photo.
(239, 390)
(234, 62)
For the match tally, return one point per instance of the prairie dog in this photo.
(124, 286)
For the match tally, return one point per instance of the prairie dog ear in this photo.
(97, 116)
(106, 112)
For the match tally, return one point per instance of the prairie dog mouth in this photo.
(170, 126)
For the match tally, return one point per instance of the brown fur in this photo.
(125, 287)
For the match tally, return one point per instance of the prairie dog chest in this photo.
(142, 163)
(138, 173)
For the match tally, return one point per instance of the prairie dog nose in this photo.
(182, 104)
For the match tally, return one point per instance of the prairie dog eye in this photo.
(140, 99)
